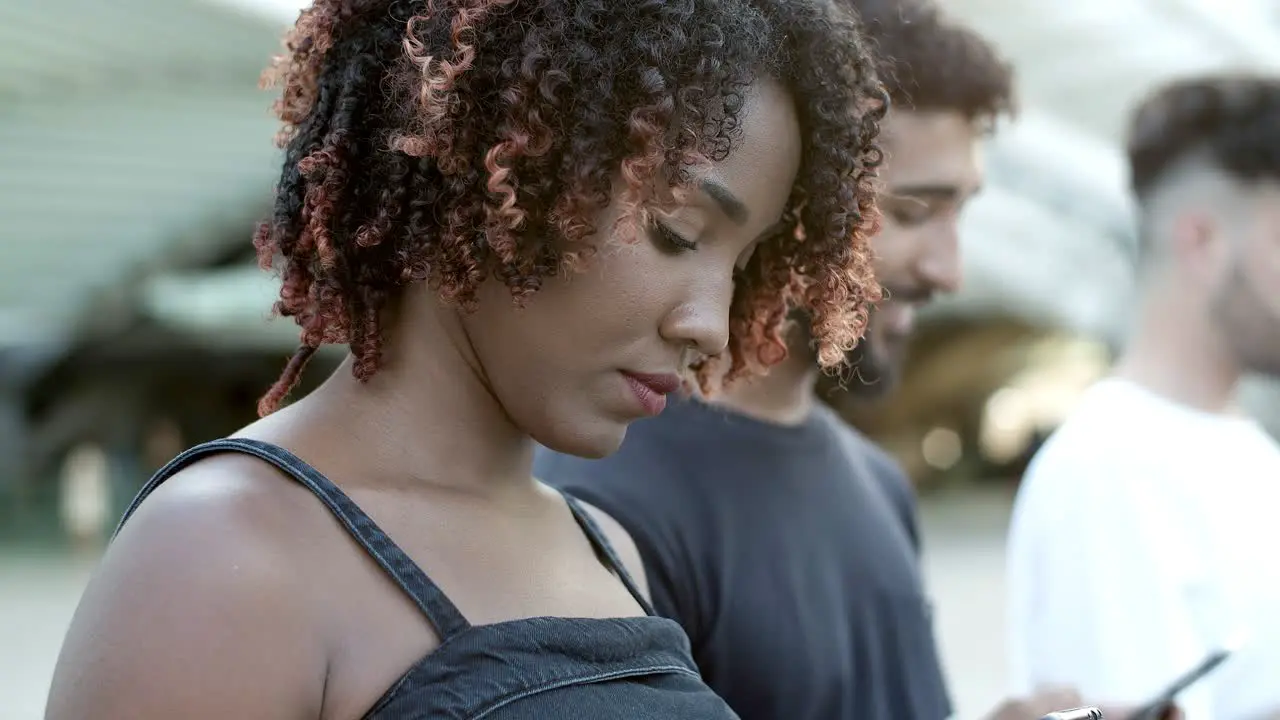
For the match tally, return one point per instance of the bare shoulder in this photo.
(622, 544)
(195, 610)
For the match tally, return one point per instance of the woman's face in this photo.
(591, 351)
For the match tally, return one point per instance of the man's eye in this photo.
(911, 213)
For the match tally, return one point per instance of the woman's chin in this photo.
(601, 439)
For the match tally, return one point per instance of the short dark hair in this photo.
(450, 142)
(929, 61)
(1232, 119)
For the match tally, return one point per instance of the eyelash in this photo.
(670, 240)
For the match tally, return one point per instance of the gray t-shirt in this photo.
(789, 554)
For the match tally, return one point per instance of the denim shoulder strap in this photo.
(439, 610)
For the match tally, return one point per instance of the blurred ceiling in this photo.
(1088, 61)
(131, 134)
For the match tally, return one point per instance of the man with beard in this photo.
(783, 541)
(1144, 533)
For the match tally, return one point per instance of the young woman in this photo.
(527, 220)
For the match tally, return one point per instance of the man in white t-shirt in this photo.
(1146, 533)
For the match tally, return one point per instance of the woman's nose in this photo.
(701, 319)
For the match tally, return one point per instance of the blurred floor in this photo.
(964, 535)
(38, 593)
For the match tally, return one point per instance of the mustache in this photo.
(910, 294)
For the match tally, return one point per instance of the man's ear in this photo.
(1197, 244)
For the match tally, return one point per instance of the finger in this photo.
(1061, 698)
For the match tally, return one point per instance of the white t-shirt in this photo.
(1145, 535)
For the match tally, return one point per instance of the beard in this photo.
(872, 369)
(875, 366)
(877, 362)
(1251, 326)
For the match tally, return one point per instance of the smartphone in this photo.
(1084, 713)
(1158, 706)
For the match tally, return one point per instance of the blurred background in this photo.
(135, 156)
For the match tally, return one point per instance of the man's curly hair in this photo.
(456, 141)
(1232, 120)
(930, 62)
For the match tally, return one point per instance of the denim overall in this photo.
(540, 668)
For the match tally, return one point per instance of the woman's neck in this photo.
(427, 416)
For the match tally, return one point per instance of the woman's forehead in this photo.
(761, 170)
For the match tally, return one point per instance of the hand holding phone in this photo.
(1034, 707)
(1084, 713)
(1159, 706)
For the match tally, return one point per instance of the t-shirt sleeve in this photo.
(628, 489)
(1101, 586)
(898, 487)
(890, 480)
(901, 493)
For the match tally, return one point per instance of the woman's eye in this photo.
(668, 240)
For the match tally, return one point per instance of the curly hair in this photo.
(457, 141)
(1232, 120)
(928, 61)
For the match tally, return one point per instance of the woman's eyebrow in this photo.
(730, 204)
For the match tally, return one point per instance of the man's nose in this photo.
(940, 265)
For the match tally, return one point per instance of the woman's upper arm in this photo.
(191, 614)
